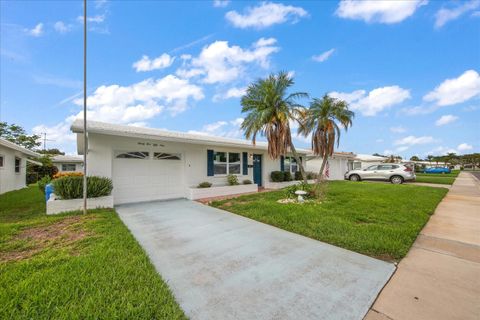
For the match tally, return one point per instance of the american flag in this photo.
(327, 170)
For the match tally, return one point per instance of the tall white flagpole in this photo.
(85, 134)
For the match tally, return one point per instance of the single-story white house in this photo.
(68, 163)
(363, 161)
(150, 164)
(338, 164)
(13, 165)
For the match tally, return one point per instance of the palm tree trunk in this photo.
(322, 167)
(299, 162)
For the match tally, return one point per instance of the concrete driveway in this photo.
(223, 266)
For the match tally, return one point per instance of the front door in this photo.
(257, 169)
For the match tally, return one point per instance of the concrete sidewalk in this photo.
(440, 276)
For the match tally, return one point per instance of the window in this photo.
(357, 165)
(69, 167)
(233, 163)
(1, 161)
(226, 163)
(132, 155)
(166, 156)
(290, 164)
(372, 168)
(18, 161)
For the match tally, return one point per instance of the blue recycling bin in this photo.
(48, 191)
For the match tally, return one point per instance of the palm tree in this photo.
(270, 109)
(323, 120)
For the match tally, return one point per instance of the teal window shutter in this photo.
(210, 171)
(245, 163)
(282, 163)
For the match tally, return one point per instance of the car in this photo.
(437, 170)
(395, 173)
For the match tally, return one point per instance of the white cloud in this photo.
(265, 15)
(375, 101)
(99, 18)
(324, 56)
(456, 90)
(381, 11)
(220, 3)
(140, 101)
(401, 149)
(59, 135)
(221, 63)
(36, 31)
(61, 27)
(440, 150)
(446, 119)
(231, 93)
(464, 147)
(146, 64)
(398, 129)
(412, 140)
(228, 129)
(445, 15)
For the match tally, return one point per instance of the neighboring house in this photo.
(68, 163)
(363, 161)
(151, 164)
(13, 165)
(338, 164)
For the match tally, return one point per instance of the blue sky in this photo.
(409, 69)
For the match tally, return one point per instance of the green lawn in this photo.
(380, 220)
(74, 266)
(434, 179)
(447, 178)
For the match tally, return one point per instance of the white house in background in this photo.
(68, 163)
(151, 164)
(13, 165)
(363, 161)
(338, 164)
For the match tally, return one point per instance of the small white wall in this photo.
(337, 167)
(55, 206)
(9, 179)
(202, 193)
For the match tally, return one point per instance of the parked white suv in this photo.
(393, 172)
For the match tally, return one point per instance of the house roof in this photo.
(18, 148)
(61, 158)
(340, 154)
(165, 135)
(368, 158)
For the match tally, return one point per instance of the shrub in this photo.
(72, 187)
(232, 180)
(43, 182)
(246, 181)
(277, 176)
(311, 175)
(287, 176)
(462, 168)
(298, 175)
(290, 191)
(67, 174)
(204, 184)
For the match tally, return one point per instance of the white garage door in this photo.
(146, 176)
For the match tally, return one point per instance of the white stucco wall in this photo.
(194, 158)
(9, 179)
(78, 166)
(338, 167)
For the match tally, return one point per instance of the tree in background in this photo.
(16, 134)
(52, 152)
(414, 158)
